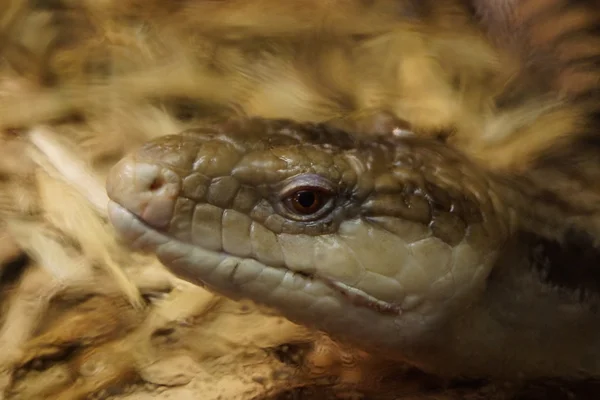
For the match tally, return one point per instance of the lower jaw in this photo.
(189, 270)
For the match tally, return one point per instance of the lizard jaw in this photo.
(240, 277)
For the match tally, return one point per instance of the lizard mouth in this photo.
(235, 274)
(362, 299)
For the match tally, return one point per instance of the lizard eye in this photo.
(307, 198)
(307, 201)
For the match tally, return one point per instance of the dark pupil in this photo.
(306, 199)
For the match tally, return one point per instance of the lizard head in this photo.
(380, 241)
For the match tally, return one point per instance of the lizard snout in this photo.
(147, 190)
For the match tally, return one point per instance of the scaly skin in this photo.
(410, 252)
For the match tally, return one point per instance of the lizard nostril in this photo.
(157, 183)
(145, 189)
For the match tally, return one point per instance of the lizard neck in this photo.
(524, 325)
